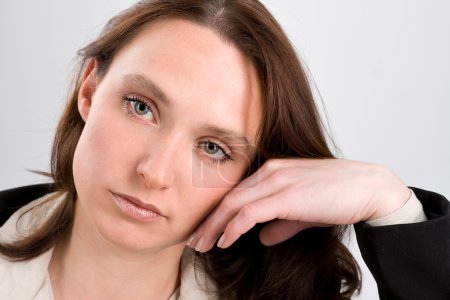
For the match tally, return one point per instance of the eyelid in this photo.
(219, 143)
(227, 156)
(146, 101)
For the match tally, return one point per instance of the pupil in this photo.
(141, 108)
(211, 148)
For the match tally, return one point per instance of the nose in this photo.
(158, 166)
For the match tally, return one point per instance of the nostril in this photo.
(156, 174)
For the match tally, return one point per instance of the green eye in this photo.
(211, 148)
(214, 152)
(141, 108)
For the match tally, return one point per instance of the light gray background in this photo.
(382, 68)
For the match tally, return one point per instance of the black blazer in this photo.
(411, 261)
(408, 261)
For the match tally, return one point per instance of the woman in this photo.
(144, 152)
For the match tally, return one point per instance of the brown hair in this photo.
(314, 264)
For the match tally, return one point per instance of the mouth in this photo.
(136, 208)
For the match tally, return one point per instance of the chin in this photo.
(127, 237)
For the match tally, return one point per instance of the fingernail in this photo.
(220, 242)
(199, 245)
(190, 240)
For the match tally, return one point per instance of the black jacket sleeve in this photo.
(408, 261)
(411, 261)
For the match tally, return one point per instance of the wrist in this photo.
(388, 200)
(389, 193)
(411, 212)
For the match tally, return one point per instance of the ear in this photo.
(87, 88)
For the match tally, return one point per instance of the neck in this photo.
(86, 267)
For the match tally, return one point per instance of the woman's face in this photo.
(169, 130)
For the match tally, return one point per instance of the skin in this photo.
(158, 156)
(295, 194)
(207, 82)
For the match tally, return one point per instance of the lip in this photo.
(136, 208)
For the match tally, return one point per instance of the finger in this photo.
(210, 229)
(279, 231)
(261, 211)
(268, 169)
(208, 232)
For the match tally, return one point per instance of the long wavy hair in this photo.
(314, 264)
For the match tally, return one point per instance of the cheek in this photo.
(200, 203)
(223, 176)
(210, 184)
(104, 149)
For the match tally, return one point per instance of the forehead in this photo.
(195, 67)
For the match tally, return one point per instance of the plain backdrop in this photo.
(381, 67)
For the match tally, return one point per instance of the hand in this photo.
(295, 194)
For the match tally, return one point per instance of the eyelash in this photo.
(126, 101)
(227, 156)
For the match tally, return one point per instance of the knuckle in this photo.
(271, 164)
(277, 177)
(233, 228)
(229, 202)
(247, 212)
(243, 221)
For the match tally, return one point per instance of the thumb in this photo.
(279, 231)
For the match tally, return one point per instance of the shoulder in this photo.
(29, 217)
(13, 199)
(26, 279)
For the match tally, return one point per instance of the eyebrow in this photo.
(227, 135)
(146, 84)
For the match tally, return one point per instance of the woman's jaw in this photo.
(169, 130)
